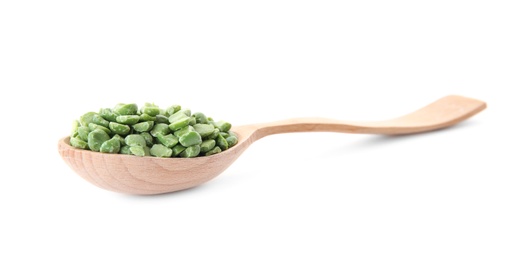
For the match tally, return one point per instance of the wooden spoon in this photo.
(151, 175)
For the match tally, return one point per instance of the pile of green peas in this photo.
(151, 131)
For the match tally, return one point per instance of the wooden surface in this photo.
(151, 175)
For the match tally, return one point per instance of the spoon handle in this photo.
(442, 113)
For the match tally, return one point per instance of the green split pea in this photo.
(151, 131)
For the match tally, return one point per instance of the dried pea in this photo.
(162, 119)
(86, 118)
(125, 149)
(221, 142)
(183, 131)
(160, 150)
(147, 117)
(191, 151)
(176, 150)
(77, 142)
(97, 119)
(187, 112)
(108, 114)
(160, 128)
(231, 140)
(120, 139)
(135, 140)
(213, 151)
(75, 126)
(83, 132)
(150, 109)
(223, 126)
(178, 121)
(172, 110)
(204, 130)
(207, 145)
(200, 118)
(93, 126)
(137, 150)
(96, 138)
(143, 126)
(148, 138)
(214, 135)
(190, 139)
(167, 140)
(128, 119)
(110, 146)
(118, 128)
(126, 109)
(192, 121)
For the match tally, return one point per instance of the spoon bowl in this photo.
(151, 175)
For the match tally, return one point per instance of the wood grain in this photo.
(151, 175)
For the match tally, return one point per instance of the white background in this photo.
(449, 194)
